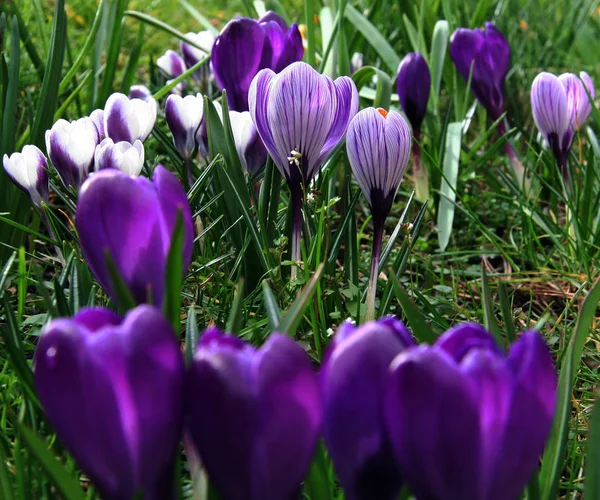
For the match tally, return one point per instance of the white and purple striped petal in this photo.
(129, 119)
(378, 145)
(128, 158)
(97, 116)
(172, 64)
(248, 143)
(184, 115)
(29, 171)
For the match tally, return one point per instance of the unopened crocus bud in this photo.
(71, 147)
(184, 115)
(112, 389)
(142, 215)
(378, 145)
(353, 380)
(97, 116)
(128, 158)
(254, 415)
(488, 54)
(414, 85)
(466, 420)
(139, 92)
(172, 64)
(255, 45)
(248, 143)
(356, 62)
(29, 171)
(560, 105)
(129, 119)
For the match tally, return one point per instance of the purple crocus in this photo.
(353, 380)
(29, 171)
(138, 91)
(172, 64)
(71, 147)
(248, 143)
(560, 105)
(466, 420)
(378, 145)
(301, 116)
(128, 119)
(254, 415)
(414, 85)
(193, 54)
(254, 45)
(487, 53)
(112, 389)
(132, 220)
(123, 156)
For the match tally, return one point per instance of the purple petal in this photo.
(292, 50)
(352, 383)
(258, 100)
(171, 63)
(139, 92)
(435, 440)
(458, 341)
(244, 41)
(550, 108)
(129, 119)
(97, 116)
(413, 86)
(271, 16)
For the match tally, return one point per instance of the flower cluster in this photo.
(441, 418)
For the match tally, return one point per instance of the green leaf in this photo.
(271, 306)
(124, 297)
(318, 482)
(448, 187)
(373, 37)
(174, 275)
(9, 118)
(191, 335)
(552, 463)
(48, 101)
(234, 323)
(592, 469)
(67, 486)
(383, 89)
(490, 322)
(6, 271)
(328, 25)
(6, 491)
(439, 45)
(420, 328)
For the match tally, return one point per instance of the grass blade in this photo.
(448, 187)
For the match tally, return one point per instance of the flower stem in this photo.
(375, 258)
(188, 168)
(512, 156)
(420, 173)
(296, 199)
(46, 222)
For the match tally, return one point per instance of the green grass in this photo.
(539, 274)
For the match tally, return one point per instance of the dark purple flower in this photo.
(128, 119)
(248, 143)
(123, 156)
(71, 147)
(184, 115)
(414, 85)
(467, 421)
(172, 64)
(488, 53)
(378, 145)
(353, 380)
(112, 389)
(253, 45)
(29, 171)
(560, 105)
(133, 219)
(253, 415)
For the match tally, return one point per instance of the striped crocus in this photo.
(414, 86)
(560, 105)
(253, 45)
(128, 158)
(301, 116)
(29, 171)
(467, 420)
(172, 65)
(378, 145)
(193, 54)
(128, 119)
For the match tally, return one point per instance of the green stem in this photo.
(375, 259)
(296, 200)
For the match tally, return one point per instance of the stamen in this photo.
(382, 112)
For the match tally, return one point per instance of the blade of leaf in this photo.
(439, 45)
(271, 307)
(234, 323)
(592, 468)
(448, 187)
(174, 275)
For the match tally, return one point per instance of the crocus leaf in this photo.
(174, 275)
(383, 89)
(448, 187)
(124, 295)
(439, 46)
(192, 335)
(234, 323)
(271, 306)
(592, 469)
(491, 324)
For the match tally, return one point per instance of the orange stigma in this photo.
(382, 112)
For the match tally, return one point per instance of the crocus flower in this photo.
(139, 92)
(560, 105)
(413, 85)
(467, 421)
(378, 145)
(254, 45)
(29, 171)
(97, 116)
(300, 116)
(253, 415)
(132, 219)
(129, 119)
(183, 115)
(192, 55)
(250, 147)
(112, 389)
(488, 53)
(172, 64)
(353, 379)
(71, 147)
(123, 156)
